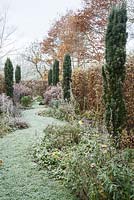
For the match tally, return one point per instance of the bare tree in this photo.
(34, 55)
(130, 7)
(6, 40)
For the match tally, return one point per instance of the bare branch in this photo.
(6, 41)
(33, 54)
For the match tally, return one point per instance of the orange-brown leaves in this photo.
(87, 90)
(129, 93)
(2, 88)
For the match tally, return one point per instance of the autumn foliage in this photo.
(2, 87)
(87, 90)
(129, 93)
(80, 33)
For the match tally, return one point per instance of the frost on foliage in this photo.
(52, 93)
(10, 116)
(18, 122)
(21, 90)
(7, 107)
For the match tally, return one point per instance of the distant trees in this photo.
(67, 72)
(34, 55)
(114, 70)
(8, 72)
(53, 76)
(18, 74)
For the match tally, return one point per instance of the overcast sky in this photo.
(33, 18)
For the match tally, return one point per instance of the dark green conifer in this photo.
(18, 74)
(67, 73)
(55, 72)
(50, 78)
(113, 71)
(8, 72)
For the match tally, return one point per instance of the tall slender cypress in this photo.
(113, 71)
(8, 72)
(50, 78)
(18, 74)
(55, 72)
(67, 73)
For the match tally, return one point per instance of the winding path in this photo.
(19, 176)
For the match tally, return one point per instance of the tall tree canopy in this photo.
(80, 33)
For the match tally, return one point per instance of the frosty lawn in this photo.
(19, 176)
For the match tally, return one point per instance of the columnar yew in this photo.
(18, 74)
(67, 73)
(114, 70)
(55, 72)
(50, 78)
(8, 72)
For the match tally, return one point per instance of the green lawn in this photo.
(20, 178)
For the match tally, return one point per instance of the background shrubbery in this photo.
(21, 90)
(129, 94)
(2, 85)
(87, 91)
(36, 86)
(87, 88)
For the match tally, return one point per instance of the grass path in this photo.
(19, 176)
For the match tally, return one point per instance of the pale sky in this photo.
(33, 18)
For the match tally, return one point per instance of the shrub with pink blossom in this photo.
(21, 90)
(10, 117)
(37, 86)
(52, 93)
(7, 106)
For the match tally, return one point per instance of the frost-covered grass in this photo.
(19, 176)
